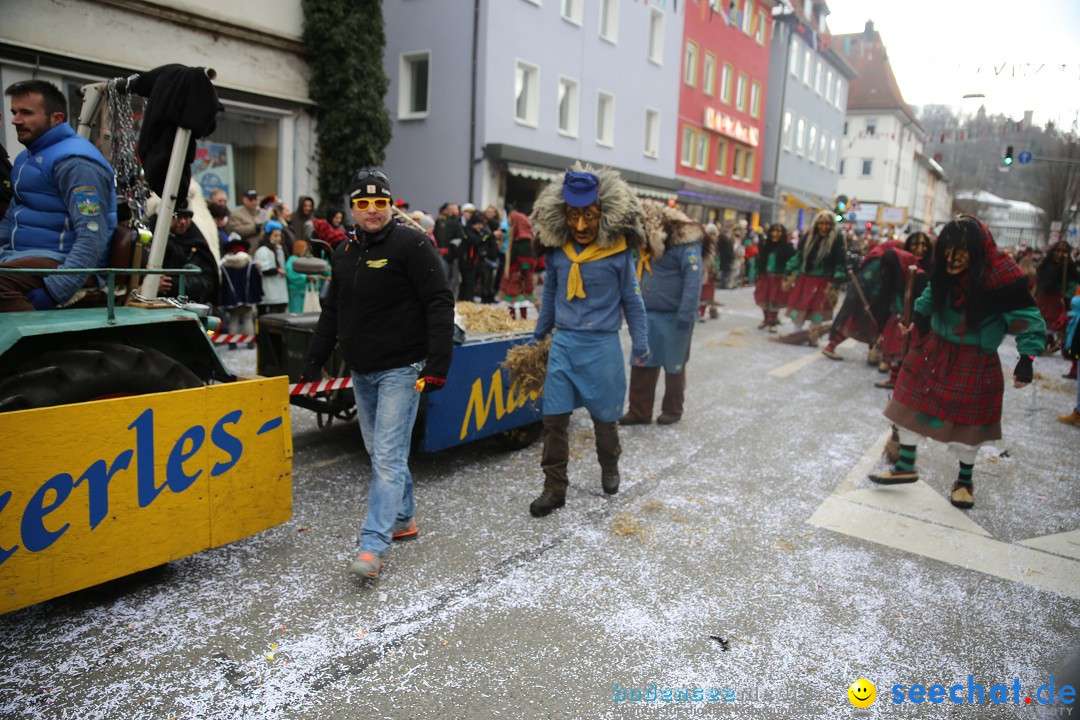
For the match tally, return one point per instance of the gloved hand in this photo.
(1024, 372)
(310, 374)
(41, 299)
(430, 381)
(787, 283)
(641, 358)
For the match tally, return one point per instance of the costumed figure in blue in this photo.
(669, 269)
(587, 226)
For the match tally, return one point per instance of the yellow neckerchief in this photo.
(574, 286)
(644, 256)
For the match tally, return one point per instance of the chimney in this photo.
(868, 31)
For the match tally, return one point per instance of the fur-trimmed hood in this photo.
(620, 207)
(667, 227)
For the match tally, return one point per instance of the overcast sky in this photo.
(941, 50)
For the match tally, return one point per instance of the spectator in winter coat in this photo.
(244, 219)
(270, 258)
(241, 288)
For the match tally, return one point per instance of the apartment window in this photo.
(800, 137)
(839, 94)
(721, 156)
(652, 132)
(841, 167)
(794, 54)
(748, 168)
(701, 151)
(609, 19)
(740, 92)
(708, 74)
(811, 144)
(527, 93)
(759, 32)
(788, 124)
(867, 167)
(690, 64)
(817, 77)
(808, 59)
(739, 164)
(414, 91)
(656, 35)
(823, 147)
(686, 156)
(845, 128)
(747, 15)
(871, 127)
(535, 2)
(568, 106)
(828, 87)
(755, 99)
(572, 10)
(605, 118)
(725, 83)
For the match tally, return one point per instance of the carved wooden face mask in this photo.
(919, 247)
(584, 222)
(957, 260)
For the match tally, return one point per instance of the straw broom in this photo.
(527, 365)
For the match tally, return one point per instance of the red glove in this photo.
(429, 383)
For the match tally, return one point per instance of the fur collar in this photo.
(620, 207)
(667, 227)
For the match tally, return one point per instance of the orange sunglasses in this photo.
(364, 203)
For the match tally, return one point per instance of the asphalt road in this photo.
(746, 561)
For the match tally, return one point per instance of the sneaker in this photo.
(831, 354)
(666, 419)
(1072, 418)
(546, 503)
(631, 419)
(404, 532)
(366, 565)
(609, 480)
(962, 496)
(894, 477)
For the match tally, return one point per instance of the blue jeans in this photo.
(386, 403)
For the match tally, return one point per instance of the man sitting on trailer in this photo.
(63, 208)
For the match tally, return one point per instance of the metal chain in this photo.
(129, 183)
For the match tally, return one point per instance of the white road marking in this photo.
(916, 519)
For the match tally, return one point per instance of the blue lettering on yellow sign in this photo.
(55, 491)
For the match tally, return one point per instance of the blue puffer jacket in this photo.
(40, 218)
(1071, 340)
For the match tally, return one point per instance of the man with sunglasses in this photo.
(390, 308)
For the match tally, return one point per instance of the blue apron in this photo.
(667, 343)
(585, 369)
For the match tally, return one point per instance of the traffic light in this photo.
(841, 208)
(869, 225)
(1007, 159)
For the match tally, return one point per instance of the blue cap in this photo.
(580, 189)
(272, 225)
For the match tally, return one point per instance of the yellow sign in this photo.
(95, 491)
(479, 408)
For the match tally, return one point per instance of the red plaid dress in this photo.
(769, 293)
(808, 297)
(960, 384)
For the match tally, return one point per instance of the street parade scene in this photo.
(539, 359)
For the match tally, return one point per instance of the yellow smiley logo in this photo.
(862, 693)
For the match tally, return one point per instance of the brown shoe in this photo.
(1072, 418)
(631, 419)
(609, 480)
(886, 384)
(894, 477)
(546, 503)
(962, 496)
(884, 367)
(831, 354)
(666, 419)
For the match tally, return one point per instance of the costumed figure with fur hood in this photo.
(587, 225)
(774, 252)
(815, 272)
(669, 269)
(950, 387)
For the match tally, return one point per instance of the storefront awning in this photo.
(795, 201)
(534, 172)
(650, 192)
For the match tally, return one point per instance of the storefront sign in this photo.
(729, 126)
(890, 215)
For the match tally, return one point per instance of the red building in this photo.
(722, 108)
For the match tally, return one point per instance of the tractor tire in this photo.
(91, 372)
(521, 437)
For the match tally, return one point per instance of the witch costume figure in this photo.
(950, 387)
(817, 268)
(669, 269)
(774, 252)
(587, 225)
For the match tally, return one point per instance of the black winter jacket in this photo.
(389, 304)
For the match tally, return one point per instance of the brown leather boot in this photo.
(553, 462)
(642, 395)
(608, 451)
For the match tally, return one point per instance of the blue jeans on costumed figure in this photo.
(386, 404)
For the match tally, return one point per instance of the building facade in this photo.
(490, 105)
(804, 120)
(1013, 223)
(722, 84)
(883, 164)
(266, 137)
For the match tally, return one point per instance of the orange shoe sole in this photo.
(407, 533)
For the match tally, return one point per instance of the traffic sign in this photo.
(1024, 157)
